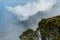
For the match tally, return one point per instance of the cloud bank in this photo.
(30, 9)
(11, 31)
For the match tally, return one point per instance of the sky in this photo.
(18, 15)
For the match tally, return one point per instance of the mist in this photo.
(11, 27)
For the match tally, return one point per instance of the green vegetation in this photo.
(48, 28)
(28, 35)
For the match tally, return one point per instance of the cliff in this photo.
(50, 28)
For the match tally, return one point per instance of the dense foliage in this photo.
(48, 28)
(29, 34)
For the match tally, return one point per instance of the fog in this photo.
(11, 27)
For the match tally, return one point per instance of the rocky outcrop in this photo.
(50, 28)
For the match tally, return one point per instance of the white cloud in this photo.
(24, 12)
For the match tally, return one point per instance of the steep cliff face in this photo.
(50, 28)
